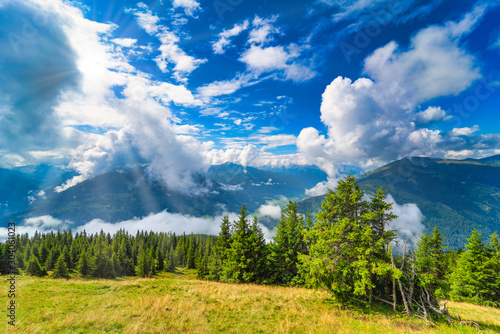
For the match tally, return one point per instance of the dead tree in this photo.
(417, 300)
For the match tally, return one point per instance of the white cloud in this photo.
(322, 187)
(263, 30)
(273, 141)
(225, 87)
(265, 59)
(373, 120)
(125, 42)
(464, 131)
(172, 53)
(267, 129)
(159, 222)
(145, 18)
(42, 224)
(142, 127)
(276, 58)
(189, 6)
(273, 211)
(408, 225)
(433, 65)
(225, 37)
(431, 114)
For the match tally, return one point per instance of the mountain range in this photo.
(455, 195)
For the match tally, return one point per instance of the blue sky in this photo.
(184, 84)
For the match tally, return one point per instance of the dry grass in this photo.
(180, 304)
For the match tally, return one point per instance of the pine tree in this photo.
(60, 268)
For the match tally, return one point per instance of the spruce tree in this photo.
(160, 261)
(34, 268)
(288, 244)
(143, 263)
(191, 256)
(258, 250)
(467, 279)
(60, 268)
(220, 251)
(83, 266)
(170, 261)
(239, 259)
(344, 252)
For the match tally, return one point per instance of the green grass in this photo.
(178, 303)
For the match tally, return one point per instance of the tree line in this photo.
(347, 249)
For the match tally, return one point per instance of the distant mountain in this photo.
(123, 195)
(455, 195)
(21, 187)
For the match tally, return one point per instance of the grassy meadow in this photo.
(178, 303)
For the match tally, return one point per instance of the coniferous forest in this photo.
(346, 248)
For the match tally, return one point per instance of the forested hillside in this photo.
(454, 195)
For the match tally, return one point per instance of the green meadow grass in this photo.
(178, 303)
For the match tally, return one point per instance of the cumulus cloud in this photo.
(431, 114)
(464, 131)
(374, 120)
(273, 211)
